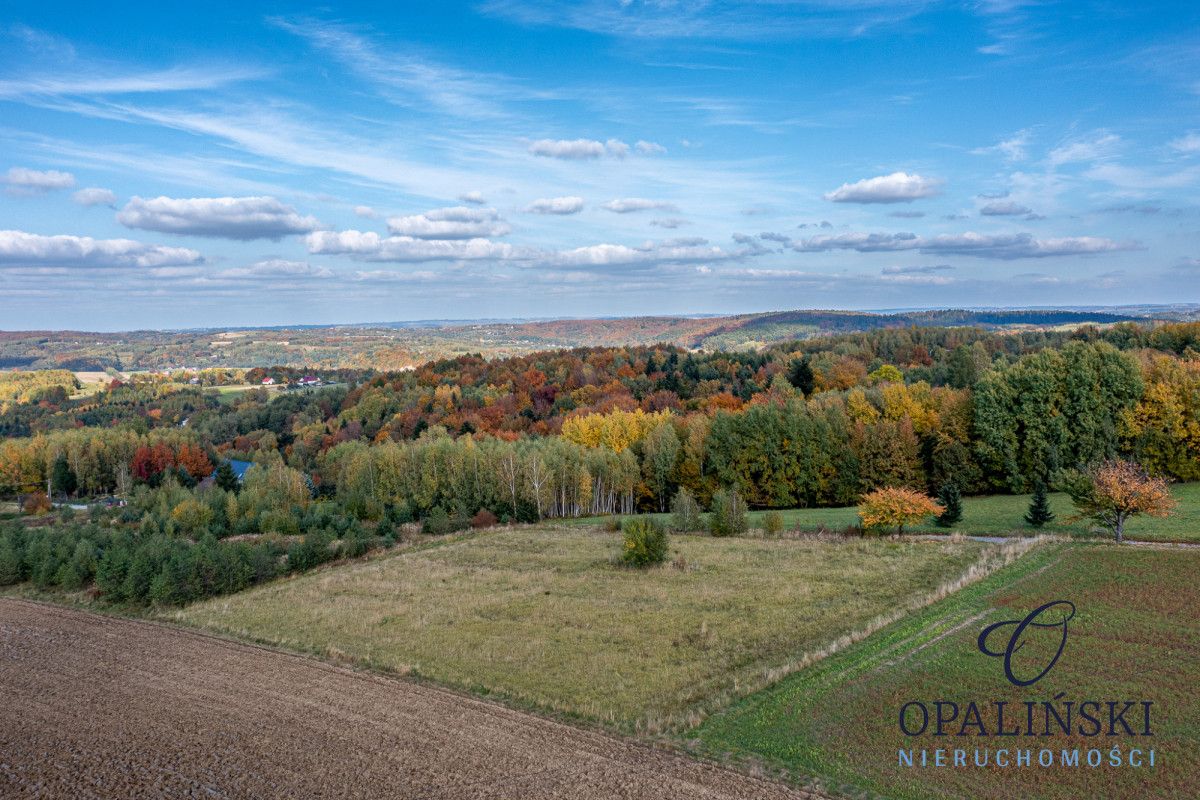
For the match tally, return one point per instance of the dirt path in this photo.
(92, 706)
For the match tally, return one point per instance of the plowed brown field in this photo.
(95, 706)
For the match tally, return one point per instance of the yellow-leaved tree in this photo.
(894, 506)
(1114, 491)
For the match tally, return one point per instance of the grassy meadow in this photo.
(542, 617)
(1003, 515)
(1135, 636)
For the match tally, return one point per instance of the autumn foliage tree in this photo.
(1116, 490)
(895, 507)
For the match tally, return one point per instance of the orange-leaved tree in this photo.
(1113, 491)
(895, 506)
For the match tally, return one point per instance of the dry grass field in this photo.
(541, 617)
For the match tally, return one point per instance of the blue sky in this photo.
(262, 164)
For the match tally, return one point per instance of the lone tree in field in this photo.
(895, 506)
(1114, 491)
(685, 512)
(1039, 507)
(951, 500)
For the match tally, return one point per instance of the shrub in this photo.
(437, 522)
(645, 542)
(685, 512)
(483, 519)
(951, 500)
(36, 503)
(728, 516)
(895, 506)
(773, 523)
(612, 524)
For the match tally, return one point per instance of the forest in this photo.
(568, 433)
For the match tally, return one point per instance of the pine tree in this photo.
(226, 478)
(801, 376)
(1039, 508)
(951, 500)
(62, 477)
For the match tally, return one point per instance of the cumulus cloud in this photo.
(556, 205)
(1006, 246)
(649, 148)
(21, 180)
(649, 254)
(366, 212)
(579, 149)
(628, 205)
(474, 198)
(899, 187)
(94, 196)
(370, 246)
(18, 248)
(1004, 208)
(241, 218)
(277, 268)
(456, 222)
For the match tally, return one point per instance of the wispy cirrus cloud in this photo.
(242, 218)
(898, 187)
(272, 268)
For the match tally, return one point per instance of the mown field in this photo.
(1135, 636)
(542, 617)
(1003, 515)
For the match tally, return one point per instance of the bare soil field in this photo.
(96, 706)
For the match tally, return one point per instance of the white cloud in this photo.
(21, 180)
(19, 248)
(899, 187)
(556, 205)
(366, 212)
(1140, 180)
(671, 251)
(1187, 144)
(578, 149)
(94, 196)
(277, 268)
(628, 205)
(670, 223)
(370, 246)
(390, 276)
(1006, 246)
(456, 222)
(1093, 149)
(1004, 208)
(242, 218)
(649, 148)
(475, 198)
(1014, 148)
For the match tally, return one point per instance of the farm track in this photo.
(103, 707)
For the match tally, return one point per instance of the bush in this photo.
(645, 542)
(483, 519)
(685, 512)
(438, 522)
(773, 523)
(36, 503)
(612, 524)
(728, 514)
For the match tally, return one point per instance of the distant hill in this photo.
(390, 346)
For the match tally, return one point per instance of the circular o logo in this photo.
(1055, 614)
